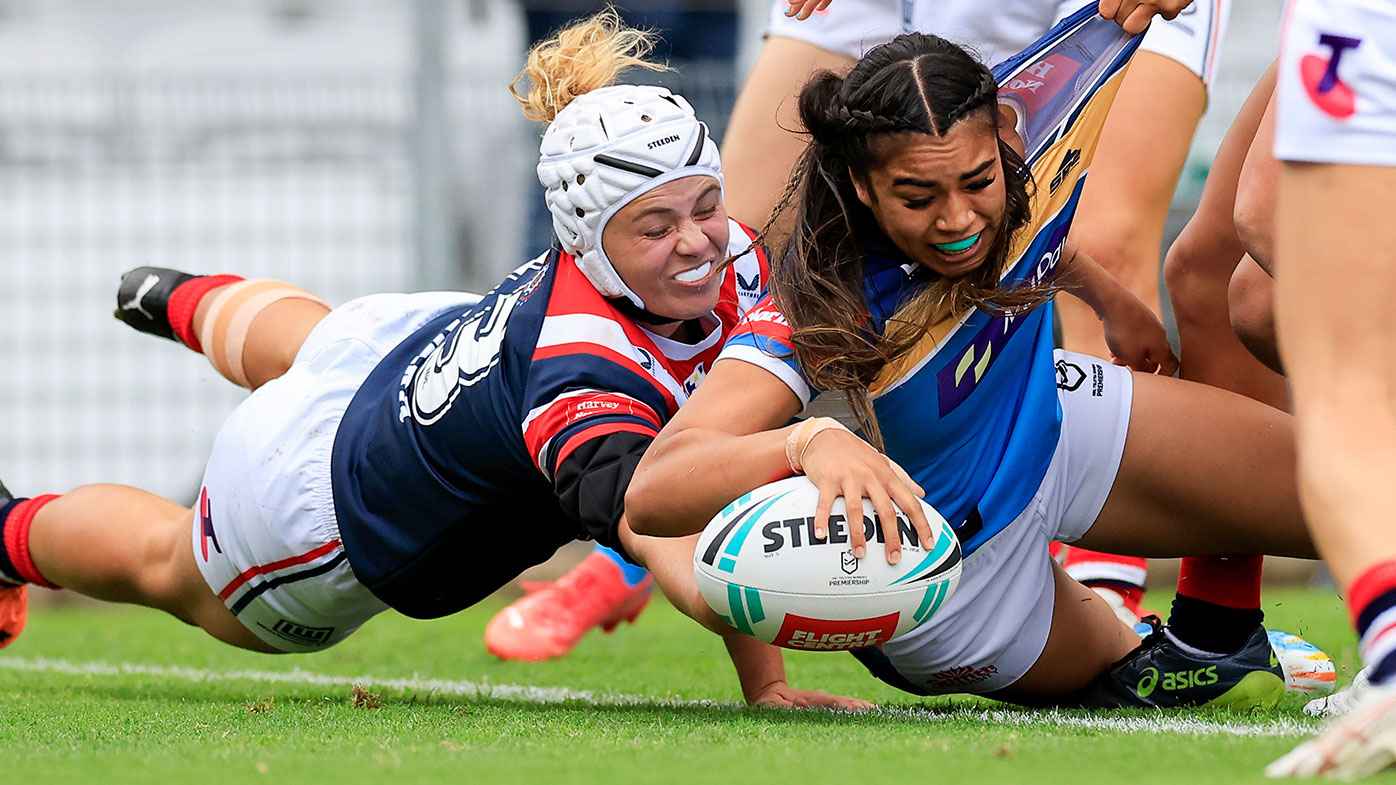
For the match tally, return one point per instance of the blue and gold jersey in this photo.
(971, 412)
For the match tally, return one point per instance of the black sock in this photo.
(1211, 627)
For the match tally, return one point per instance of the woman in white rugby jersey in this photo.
(387, 439)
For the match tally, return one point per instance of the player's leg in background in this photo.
(1189, 483)
(1335, 286)
(1120, 223)
(250, 330)
(1335, 282)
(763, 140)
(1250, 292)
(1201, 263)
(1219, 596)
(111, 542)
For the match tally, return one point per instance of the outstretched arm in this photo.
(728, 440)
(760, 666)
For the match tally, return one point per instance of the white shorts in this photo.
(995, 625)
(1336, 96)
(265, 535)
(852, 27)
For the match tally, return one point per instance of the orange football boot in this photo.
(550, 620)
(14, 610)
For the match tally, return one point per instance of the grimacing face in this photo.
(667, 245)
(939, 199)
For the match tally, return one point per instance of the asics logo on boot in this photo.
(135, 302)
(1175, 681)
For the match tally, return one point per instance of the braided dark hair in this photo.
(916, 83)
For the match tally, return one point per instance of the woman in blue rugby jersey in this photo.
(918, 283)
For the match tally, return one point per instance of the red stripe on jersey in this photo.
(601, 429)
(263, 569)
(568, 410)
(605, 352)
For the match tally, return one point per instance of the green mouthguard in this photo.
(958, 245)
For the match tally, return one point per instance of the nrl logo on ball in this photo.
(848, 562)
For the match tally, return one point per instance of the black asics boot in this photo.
(1159, 674)
(143, 299)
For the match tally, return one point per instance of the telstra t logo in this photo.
(1320, 77)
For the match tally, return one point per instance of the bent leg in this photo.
(1200, 265)
(1086, 638)
(1205, 472)
(764, 136)
(251, 330)
(122, 544)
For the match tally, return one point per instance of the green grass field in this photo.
(115, 695)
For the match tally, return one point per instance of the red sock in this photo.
(1372, 602)
(1228, 581)
(17, 519)
(184, 300)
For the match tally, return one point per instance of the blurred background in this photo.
(348, 146)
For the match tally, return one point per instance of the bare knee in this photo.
(1196, 272)
(1251, 306)
(1255, 224)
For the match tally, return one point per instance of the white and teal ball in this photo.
(760, 567)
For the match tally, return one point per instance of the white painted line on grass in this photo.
(1163, 723)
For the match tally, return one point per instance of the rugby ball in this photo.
(760, 567)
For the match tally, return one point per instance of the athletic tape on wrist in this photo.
(798, 440)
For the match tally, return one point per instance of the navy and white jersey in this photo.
(448, 465)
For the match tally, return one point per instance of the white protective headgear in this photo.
(606, 148)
